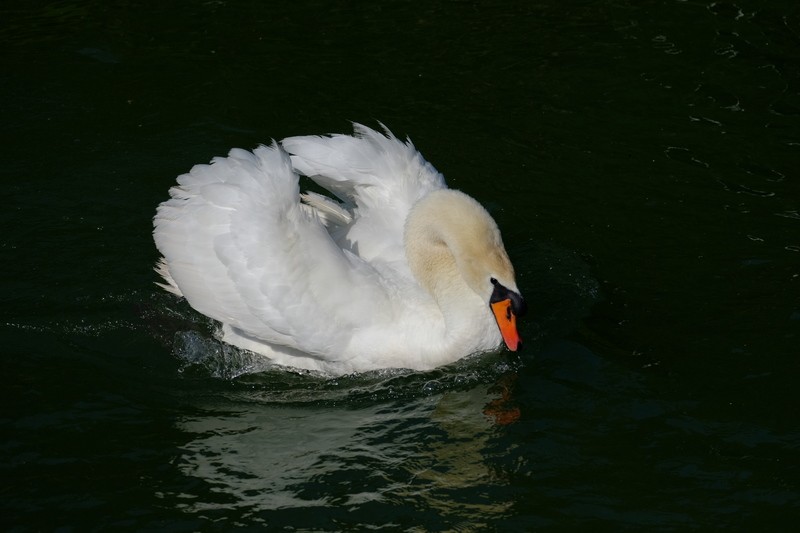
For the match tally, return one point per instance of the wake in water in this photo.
(254, 378)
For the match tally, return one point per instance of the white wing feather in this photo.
(243, 251)
(378, 176)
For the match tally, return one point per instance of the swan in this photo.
(398, 271)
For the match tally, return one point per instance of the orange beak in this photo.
(507, 323)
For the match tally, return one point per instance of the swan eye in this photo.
(494, 281)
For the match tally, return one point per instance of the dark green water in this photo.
(641, 159)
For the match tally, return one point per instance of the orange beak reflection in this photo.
(507, 323)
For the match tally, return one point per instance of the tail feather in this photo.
(163, 270)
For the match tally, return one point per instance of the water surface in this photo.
(639, 157)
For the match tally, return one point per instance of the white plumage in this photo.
(397, 272)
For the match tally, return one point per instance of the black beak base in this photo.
(500, 293)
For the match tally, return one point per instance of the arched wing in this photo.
(242, 250)
(377, 176)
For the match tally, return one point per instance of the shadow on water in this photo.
(273, 461)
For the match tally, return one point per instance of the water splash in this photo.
(217, 359)
(253, 378)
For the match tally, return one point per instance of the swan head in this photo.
(451, 243)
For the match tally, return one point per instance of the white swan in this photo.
(401, 272)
